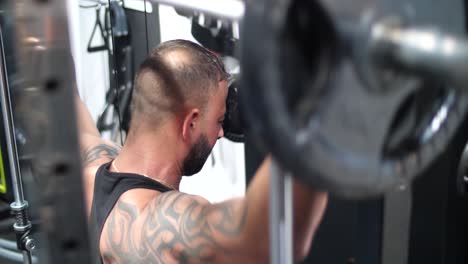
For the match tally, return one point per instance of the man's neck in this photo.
(152, 156)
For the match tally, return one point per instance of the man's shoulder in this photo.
(177, 200)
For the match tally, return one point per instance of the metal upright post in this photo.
(44, 105)
(22, 226)
(288, 217)
(281, 216)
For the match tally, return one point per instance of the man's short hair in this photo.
(176, 75)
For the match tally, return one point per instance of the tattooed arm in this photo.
(94, 150)
(181, 228)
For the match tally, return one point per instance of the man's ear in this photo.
(190, 123)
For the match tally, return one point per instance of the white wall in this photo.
(225, 177)
(92, 69)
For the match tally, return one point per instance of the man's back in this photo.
(169, 228)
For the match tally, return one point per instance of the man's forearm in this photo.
(309, 207)
(86, 123)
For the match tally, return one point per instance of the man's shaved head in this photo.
(177, 74)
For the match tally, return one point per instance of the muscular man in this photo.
(178, 108)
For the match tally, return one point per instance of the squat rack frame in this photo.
(44, 106)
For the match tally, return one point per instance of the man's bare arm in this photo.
(94, 150)
(93, 147)
(86, 123)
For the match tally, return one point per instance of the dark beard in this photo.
(196, 157)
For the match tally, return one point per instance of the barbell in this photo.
(353, 98)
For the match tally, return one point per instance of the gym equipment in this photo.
(233, 124)
(229, 9)
(462, 173)
(361, 110)
(98, 26)
(45, 77)
(217, 35)
(19, 207)
(115, 115)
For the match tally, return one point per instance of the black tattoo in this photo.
(175, 227)
(99, 151)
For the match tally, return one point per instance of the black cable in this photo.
(146, 28)
(114, 74)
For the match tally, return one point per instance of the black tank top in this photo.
(108, 187)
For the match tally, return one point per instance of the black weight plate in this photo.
(314, 102)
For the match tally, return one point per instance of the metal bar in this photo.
(5, 101)
(288, 218)
(45, 103)
(276, 199)
(281, 216)
(27, 258)
(397, 226)
(8, 244)
(13, 256)
(99, 2)
(227, 9)
(421, 50)
(19, 206)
